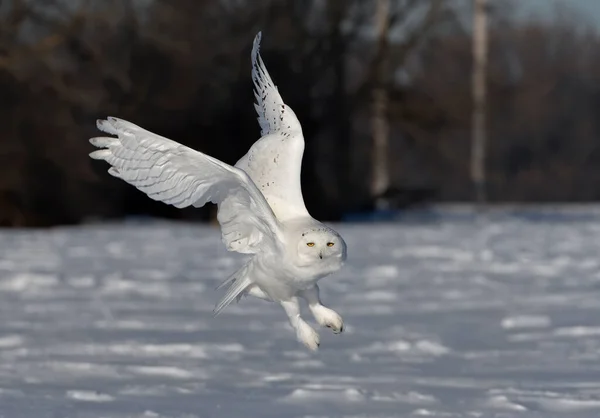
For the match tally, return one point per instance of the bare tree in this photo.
(480, 41)
(380, 125)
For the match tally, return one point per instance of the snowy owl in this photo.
(261, 210)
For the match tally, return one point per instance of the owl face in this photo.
(321, 244)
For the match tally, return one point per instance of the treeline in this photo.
(181, 68)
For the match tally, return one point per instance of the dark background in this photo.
(181, 68)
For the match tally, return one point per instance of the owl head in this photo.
(321, 244)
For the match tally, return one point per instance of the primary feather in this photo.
(273, 114)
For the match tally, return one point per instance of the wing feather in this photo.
(274, 162)
(237, 284)
(273, 114)
(178, 175)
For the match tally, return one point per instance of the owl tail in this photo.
(238, 283)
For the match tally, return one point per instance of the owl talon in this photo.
(335, 329)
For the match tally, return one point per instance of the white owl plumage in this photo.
(261, 209)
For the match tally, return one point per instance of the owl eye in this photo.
(330, 244)
(310, 244)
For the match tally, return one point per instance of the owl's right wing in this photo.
(274, 161)
(178, 175)
(273, 114)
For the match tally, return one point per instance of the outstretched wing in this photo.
(274, 162)
(175, 174)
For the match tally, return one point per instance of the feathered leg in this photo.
(324, 316)
(304, 332)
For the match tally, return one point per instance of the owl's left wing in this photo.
(178, 175)
(274, 161)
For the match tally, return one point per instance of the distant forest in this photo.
(181, 68)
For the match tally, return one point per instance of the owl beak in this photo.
(320, 255)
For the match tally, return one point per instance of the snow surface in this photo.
(453, 317)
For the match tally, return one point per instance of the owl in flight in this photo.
(261, 210)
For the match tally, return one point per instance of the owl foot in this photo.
(328, 318)
(307, 336)
(324, 316)
(304, 332)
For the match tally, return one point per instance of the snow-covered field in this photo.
(448, 318)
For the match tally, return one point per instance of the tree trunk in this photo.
(479, 99)
(380, 175)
